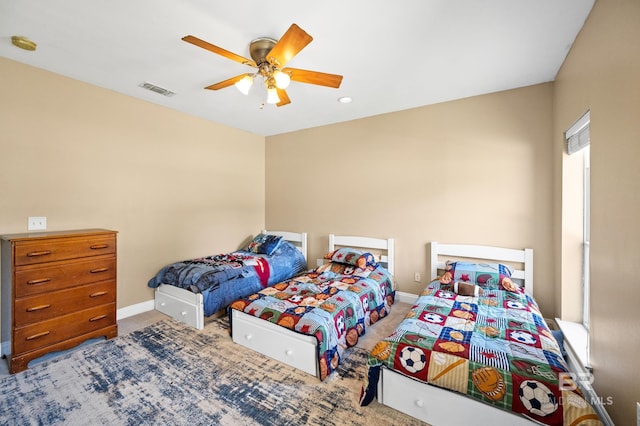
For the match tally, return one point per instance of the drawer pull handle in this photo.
(98, 294)
(98, 270)
(248, 337)
(98, 318)
(35, 336)
(99, 246)
(38, 308)
(419, 403)
(39, 253)
(39, 281)
(288, 352)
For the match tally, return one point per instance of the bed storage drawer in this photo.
(279, 343)
(180, 304)
(425, 402)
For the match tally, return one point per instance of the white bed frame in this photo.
(523, 273)
(188, 307)
(438, 406)
(287, 346)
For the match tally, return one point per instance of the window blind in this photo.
(577, 136)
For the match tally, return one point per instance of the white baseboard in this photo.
(138, 308)
(403, 297)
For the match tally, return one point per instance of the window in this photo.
(585, 242)
(578, 140)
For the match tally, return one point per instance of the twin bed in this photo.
(308, 322)
(193, 289)
(487, 357)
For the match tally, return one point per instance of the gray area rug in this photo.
(171, 374)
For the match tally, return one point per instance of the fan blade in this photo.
(314, 77)
(227, 82)
(292, 42)
(219, 50)
(284, 98)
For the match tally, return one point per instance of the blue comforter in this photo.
(224, 278)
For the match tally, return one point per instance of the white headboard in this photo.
(385, 245)
(486, 253)
(298, 239)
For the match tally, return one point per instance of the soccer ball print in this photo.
(537, 398)
(522, 337)
(433, 318)
(413, 359)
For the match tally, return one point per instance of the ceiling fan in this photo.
(269, 56)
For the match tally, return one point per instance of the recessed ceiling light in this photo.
(345, 100)
(23, 43)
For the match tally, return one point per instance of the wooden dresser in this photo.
(58, 290)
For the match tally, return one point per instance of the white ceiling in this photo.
(394, 55)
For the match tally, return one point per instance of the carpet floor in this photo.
(171, 374)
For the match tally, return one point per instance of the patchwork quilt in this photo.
(223, 278)
(335, 303)
(496, 348)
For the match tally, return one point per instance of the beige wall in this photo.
(174, 186)
(484, 170)
(602, 74)
(475, 171)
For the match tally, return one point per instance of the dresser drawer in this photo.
(50, 305)
(60, 275)
(32, 252)
(55, 330)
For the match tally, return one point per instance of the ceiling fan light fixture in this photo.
(269, 57)
(282, 79)
(272, 96)
(244, 84)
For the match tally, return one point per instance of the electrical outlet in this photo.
(417, 277)
(37, 223)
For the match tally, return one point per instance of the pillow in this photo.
(264, 244)
(467, 289)
(487, 275)
(351, 256)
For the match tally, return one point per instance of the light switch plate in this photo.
(37, 223)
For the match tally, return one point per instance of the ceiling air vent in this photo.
(157, 89)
